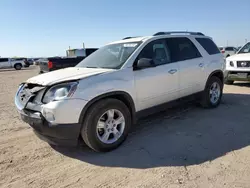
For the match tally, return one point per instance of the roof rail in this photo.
(178, 32)
(129, 37)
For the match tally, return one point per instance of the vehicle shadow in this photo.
(185, 135)
(242, 84)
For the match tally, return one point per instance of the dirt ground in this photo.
(183, 147)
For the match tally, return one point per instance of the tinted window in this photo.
(3, 59)
(157, 51)
(181, 49)
(209, 46)
(90, 51)
(229, 48)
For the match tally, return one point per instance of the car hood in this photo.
(239, 57)
(67, 74)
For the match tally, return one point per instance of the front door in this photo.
(159, 84)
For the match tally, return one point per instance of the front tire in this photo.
(106, 125)
(18, 66)
(212, 94)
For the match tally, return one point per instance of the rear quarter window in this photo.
(208, 45)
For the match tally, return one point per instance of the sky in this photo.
(38, 28)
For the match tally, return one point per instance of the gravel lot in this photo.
(182, 147)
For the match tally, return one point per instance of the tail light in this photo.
(223, 51)
(50, 65)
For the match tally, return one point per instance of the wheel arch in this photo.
(17, 64)
(120, 95)
(218, 73)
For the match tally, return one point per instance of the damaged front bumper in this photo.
(60, 134)
(56, 122)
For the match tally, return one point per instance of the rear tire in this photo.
(229, 82)
(93, 135)
(211, 98)
(18, 66)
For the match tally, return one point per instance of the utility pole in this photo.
(245, 41)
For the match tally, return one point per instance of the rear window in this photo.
(208, 45)
(229, 49)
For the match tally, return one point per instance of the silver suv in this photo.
(103, 96)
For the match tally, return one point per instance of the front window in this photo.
(245, 49)
(112, 56)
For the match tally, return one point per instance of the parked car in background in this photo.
(228, 51)
(29, 61)
(25, 60)
(238, 66)
(6, 63)
(36, 61)
(101, 98)
(72, 59)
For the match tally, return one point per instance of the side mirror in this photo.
(145, 63)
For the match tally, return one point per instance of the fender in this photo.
(121, 95)
(217, 73)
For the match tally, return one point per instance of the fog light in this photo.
(231, 64)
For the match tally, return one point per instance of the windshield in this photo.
(245, 49)
(112, 56)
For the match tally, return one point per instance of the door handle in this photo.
(172, 71)
(201, 65)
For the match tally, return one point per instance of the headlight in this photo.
(19, 88)
(60, 91)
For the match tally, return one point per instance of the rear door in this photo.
(190, 63)
(4, 63)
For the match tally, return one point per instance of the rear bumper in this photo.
(59, 134)
(237, 75)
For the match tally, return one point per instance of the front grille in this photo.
(243, 63)
(25, 94)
